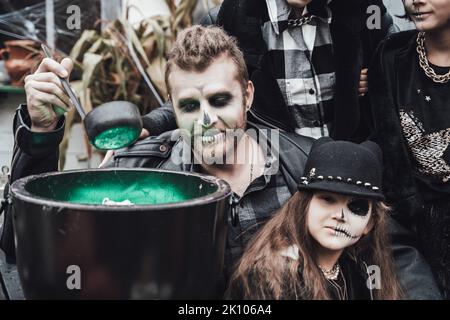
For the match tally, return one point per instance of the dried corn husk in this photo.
(108, 70)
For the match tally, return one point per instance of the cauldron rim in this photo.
(18, 191)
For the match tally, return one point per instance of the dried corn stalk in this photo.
(108, 70)
(181, 14)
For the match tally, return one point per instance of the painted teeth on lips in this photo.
(342, 232)
(213, 139)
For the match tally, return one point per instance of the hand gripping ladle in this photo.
(109, 126)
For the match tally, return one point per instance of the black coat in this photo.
(353, 46)
(399, 187)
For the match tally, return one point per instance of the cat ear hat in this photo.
(344, 167)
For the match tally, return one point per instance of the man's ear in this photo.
(249, 95)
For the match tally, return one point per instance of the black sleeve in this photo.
(412, 270)
(379, 82)
(160, 120)
(33, 153)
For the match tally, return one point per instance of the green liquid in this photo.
(137, 194)
(140, 187)
(116, 138)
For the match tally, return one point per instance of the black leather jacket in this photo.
(33, 156)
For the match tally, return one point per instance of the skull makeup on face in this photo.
(337, 221)
(206, 119)
(360, 207)
(210, 107)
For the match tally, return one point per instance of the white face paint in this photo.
(429, 15)
(209, 106)
(337, 221)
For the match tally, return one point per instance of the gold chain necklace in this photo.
(423, 61)
(331, 274)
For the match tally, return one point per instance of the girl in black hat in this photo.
(329, 240)
(409, 89)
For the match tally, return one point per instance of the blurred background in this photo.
(96, 34)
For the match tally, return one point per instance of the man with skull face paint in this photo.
(322, 242)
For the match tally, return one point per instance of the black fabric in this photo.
(162, 119)
(36, 143)
(396, 63)
(399, 186)
(414, 274)
(7, 231)
(433, 229)
(353, 277)
(426, 103)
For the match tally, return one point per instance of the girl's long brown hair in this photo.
(263, 273)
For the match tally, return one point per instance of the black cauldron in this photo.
(169, 244)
